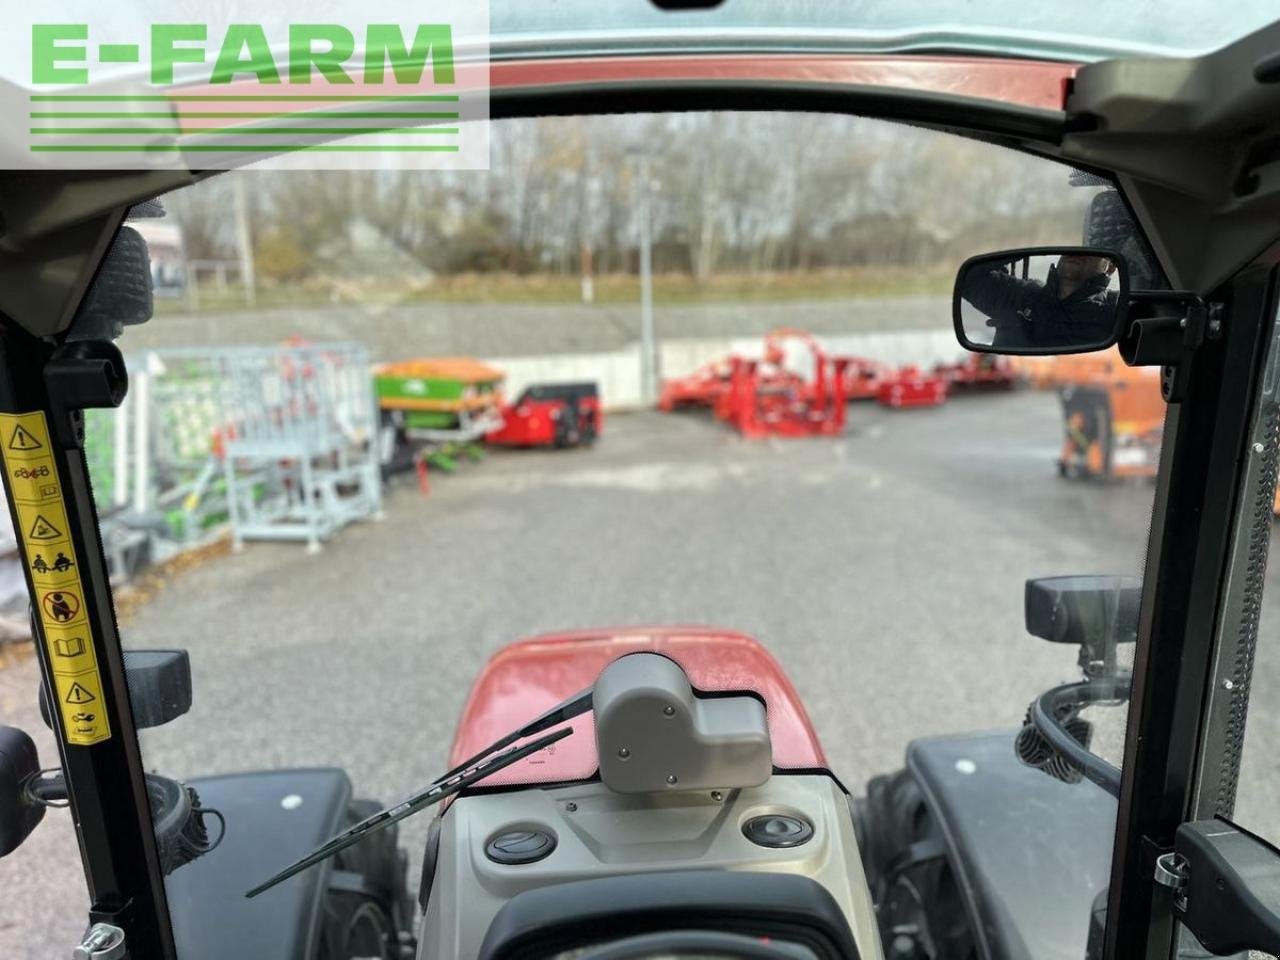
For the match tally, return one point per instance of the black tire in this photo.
(368, 923)
(357, 928)
(566, 431)
(395, 453)
(916, 900)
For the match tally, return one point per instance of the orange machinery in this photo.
(1050, 373)
(1113, 416)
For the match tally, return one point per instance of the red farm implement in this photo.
(766, 398)
(702, 388)
(912, 387)
(863, 377)
(551, 415)
(980, 371)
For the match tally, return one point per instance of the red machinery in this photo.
(912, 387)
(525, 678)
(863, 378)
(551, 415)
(702, 388)
(764, 398)
(980, 371)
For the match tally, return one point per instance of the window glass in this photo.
(320, 494)
(1086, 31)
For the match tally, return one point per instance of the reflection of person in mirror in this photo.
(1070, 307)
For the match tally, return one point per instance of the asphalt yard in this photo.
(884, 569)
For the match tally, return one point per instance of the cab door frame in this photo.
(1199, 506)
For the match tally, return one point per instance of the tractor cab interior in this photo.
(856, 482)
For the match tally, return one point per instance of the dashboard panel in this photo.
(492, 847)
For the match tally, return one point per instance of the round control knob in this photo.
(777, 831)
(520, 846)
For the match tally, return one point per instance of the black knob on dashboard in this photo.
(520, 846)
(777, 831)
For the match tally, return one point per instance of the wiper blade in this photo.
(578, 704)
(457, 779)
(460, 777)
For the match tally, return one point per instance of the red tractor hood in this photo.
(530, 676)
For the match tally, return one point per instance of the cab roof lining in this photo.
(1191, 141)
(1195, 145)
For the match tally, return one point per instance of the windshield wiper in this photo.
(459, 778)
(576, 705)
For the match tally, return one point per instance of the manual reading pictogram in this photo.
(68, 647)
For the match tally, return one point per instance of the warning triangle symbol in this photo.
(42, 529)
(78, 694)
(23, 440)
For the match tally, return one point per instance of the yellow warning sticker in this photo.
(33, 482)
(32, 478)
(26, 437)
(80, 703)
(42, 522)
(70, 648)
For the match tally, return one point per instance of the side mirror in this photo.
(1226, 887)
(1041, 301)
(159, 687)
(18, 763)
(1095, 612)
(120, 294)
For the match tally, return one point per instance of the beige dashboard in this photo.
(593, 832)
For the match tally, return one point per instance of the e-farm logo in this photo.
(218, 91)
(324, 51)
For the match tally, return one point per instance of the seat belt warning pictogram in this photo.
(35, 490)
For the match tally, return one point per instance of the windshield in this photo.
(746, 439)
(1091, 30)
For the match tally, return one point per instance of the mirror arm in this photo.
(1168, 341)
(1078, 695)
(1225, 885)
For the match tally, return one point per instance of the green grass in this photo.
(543, 289)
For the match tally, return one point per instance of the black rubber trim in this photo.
(700, 943)
(1080, 694)
(969, 116)
(429, 857)
(569, 916)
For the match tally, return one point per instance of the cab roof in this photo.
(1079, 31)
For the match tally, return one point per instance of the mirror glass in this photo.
(1055, 301)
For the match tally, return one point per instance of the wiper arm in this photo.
(460, 777)
(578, 704)
(457, 779)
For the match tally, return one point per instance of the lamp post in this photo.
(244, 238)
(648, 355)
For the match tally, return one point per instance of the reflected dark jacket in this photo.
(1028, 313)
